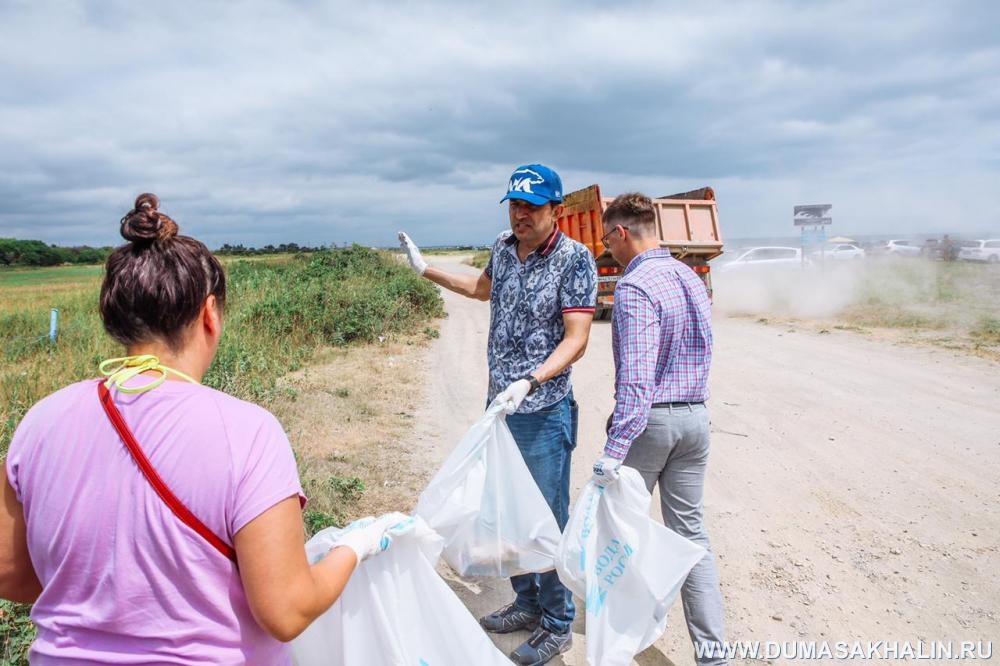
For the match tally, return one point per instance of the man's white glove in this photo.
(370, 536)
(512, 396)
(412, 253)
(606, 470)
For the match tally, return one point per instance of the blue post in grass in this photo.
(53, 325)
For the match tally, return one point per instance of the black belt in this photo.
(677, 404)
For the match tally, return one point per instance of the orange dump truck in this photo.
(687, 223)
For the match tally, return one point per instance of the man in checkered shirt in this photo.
(661, 334)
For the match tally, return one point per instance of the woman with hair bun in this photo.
(151, 519)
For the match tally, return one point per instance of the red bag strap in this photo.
(154, 479)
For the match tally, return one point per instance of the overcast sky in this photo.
(329, 123)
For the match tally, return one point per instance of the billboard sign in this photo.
(812, 215)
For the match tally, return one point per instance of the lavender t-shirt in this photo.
(124, 581)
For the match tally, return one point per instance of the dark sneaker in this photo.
(542, 646)
(508, 619)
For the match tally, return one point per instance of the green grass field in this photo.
(44, 277)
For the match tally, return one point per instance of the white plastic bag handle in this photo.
(495, 409)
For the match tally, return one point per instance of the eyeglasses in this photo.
(604, 238)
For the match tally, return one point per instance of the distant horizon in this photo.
(788, 240)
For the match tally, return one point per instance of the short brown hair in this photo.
(156, 284)
(634, 208)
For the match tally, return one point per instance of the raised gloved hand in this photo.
(370, 536)
(606, 470)
(512, 396)
(412, 253)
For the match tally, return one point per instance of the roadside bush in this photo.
(283, 312)
(342, 296)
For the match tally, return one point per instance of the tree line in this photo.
(14, 252)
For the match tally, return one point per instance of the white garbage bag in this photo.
(627, 566)
(395, 611)
(487, 507)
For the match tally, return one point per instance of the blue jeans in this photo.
(546, 439)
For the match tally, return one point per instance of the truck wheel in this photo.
(993, 259)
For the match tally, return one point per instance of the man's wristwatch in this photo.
(535, 384)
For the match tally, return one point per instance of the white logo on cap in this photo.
(524, 183)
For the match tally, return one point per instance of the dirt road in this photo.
(853, 485)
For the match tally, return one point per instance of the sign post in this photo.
(812, 219)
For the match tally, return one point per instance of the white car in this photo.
(901, 248)
(981, 250)
(839, 252)
(766, 257)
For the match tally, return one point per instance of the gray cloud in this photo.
(325, 123)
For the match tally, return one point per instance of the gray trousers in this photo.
(673, 452)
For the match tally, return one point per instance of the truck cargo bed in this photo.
(687, 223)
(684, 223)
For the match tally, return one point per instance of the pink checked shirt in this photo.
(661, 334)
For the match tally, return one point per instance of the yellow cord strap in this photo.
(120, 370)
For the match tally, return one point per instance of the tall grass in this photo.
(918, 294)
(279, 313)
(282, 312)
(32, 366)
(480, 259)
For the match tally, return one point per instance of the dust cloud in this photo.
(829, 289)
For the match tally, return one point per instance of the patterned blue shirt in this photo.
(527, 303)
(661, 335)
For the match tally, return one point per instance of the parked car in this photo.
(765, 257)
(981, 250)
(901, 248)
(931, 249)
(839, 252)
(957, 246)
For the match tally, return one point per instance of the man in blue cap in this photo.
(542, 287)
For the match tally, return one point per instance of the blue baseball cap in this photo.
(535, 183)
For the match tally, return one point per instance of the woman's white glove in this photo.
(412, 253)
(370, 536)
(512, 396)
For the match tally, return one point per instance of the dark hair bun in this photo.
(144, 224)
